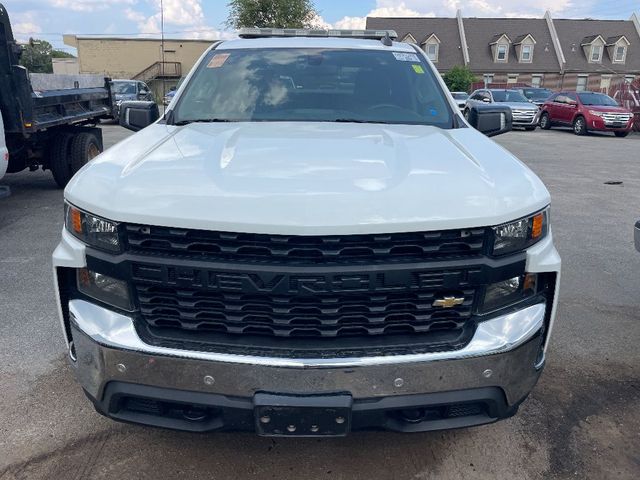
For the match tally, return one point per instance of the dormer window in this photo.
(524, 48)
(593, 48)
(502, 53)
(431, 45)
(500, 48)
(408, 38)
(617, 48)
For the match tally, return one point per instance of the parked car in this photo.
(124, 90)
(4, 151)
(169, 96)
(524, 112)
(460, 98)
(535, 95)
(586, 111)
(296, 252)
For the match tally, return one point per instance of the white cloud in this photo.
(484, 8)
(89, 5)
(382, 10)
(133, 15)
(24, 26)
(182, 18)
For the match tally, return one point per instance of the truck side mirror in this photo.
(136, 115)
(491, 119)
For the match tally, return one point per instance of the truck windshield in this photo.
(508, 96)
(124, 88)
(303, 84)
(591, 98)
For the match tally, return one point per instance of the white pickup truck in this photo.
(311, 240)
(4, 153)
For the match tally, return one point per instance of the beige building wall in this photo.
(125, 58)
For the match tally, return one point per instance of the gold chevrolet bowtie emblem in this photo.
(448, 302)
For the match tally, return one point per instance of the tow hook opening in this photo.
(440, 412)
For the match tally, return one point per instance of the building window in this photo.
(605, 83)
(525, 55)
(488, 79)
(582, 83)
(432, 52)
(512, 78)
(501, 53)
(620, 54)
(629, 78)
(536, 81)
(596, 53)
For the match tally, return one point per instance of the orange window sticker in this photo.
(218, 60)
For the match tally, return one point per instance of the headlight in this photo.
(104, 288)
(521, 234)
(92, 230)
(507, 292)
(595, 112)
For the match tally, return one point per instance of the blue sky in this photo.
(49, 19)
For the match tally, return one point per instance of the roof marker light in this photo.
(298, 32)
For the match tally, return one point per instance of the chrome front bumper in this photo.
(505, 352)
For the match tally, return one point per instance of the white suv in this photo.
(311, 240)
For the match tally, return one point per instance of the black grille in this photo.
(358, 303)
(154, 240)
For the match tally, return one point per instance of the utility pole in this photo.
(162, 47)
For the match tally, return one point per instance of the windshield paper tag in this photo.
(218, 60)
(406, 57)
(418, 68)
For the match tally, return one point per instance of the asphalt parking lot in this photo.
(581, 421)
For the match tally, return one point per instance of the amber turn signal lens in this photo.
(76, 220)
(538, 223)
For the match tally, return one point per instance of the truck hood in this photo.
(520, 105)
(608, 109)
(308, 178)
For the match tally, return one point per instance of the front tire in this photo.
(545, 121)
(580, 126)
(621, 134)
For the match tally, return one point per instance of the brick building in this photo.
(554, 53)
(137, 58)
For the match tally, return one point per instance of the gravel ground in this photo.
(581, 420)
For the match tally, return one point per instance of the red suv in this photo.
(585, 111)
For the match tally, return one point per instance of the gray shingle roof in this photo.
(572, 32)
(446, 29)
(613, 39)
(480, 32)
(589, 39)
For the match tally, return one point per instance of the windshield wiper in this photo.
(356, 120)
(203, 120)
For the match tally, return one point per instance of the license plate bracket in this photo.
(302, 415)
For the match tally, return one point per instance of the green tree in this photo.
(271, 14)
(459, 79)
(37, 54)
